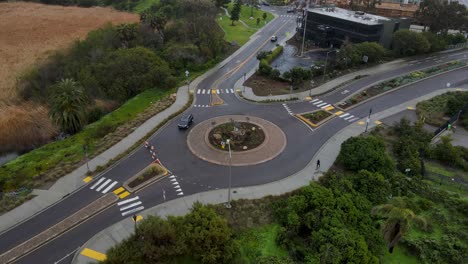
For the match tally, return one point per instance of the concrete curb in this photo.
(327, 153)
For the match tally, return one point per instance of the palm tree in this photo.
(398, 221)
(68, 106)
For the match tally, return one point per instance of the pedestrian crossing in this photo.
(287, 109)
(328, 107)
(201, 105)
(130, 206)
(103, 185)
(215, 91)
(176, 185)
(287, 16)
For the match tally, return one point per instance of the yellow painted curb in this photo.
(119, 190)
(93, 254)
(361, 122)
(306, 120)
(377, 122)
(87, 179)
(238, 90)
(339, 113)
(410, 108)
(138, 218)
(329, 108)
(308, 98)
(213, 91)
(124, 194)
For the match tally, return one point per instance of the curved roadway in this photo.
(195, 175)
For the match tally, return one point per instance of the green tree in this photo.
(236, 10)
(366, 153)
(398, 221)
(128, 33)
(408, 43)
(264, 16)
(297, 76)
(434, 14)
(258, 21)
(208, 236)
(68, 106)
(221, 3)
(372, 185)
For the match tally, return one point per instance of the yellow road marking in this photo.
(213, 91)
(410, 108)
(361, 122)
(119, 190)
(308, 98)
(339, 113)
(238, 90)
(138, 218)
(123, 195)
(93, 254)
(377, 122)
(87, 179)
(307, 121)
(329, 108)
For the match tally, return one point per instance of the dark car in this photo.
(265, 3)
(185, 121)
(274, 39)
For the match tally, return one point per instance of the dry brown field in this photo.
(28, 32)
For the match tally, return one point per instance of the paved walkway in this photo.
(327, 154)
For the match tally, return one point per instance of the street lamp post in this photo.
(326, 61)
(243, 84)
(228, 204)
(368, 119)
(187, 73)
(85, 149)
(304, 21)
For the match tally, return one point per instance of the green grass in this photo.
(439, 169)
(399, 256)
(260, 241)
(144, 4)
(24, 169)
(257, 13)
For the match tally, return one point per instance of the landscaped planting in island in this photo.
(389, 85)
(150, 173)
(317, 117)
(242, 135)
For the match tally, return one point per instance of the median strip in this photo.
(59, 228)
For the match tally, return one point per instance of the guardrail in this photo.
(457, 46)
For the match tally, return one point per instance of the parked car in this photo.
(185, 121)
(274, 39)
(290, 10)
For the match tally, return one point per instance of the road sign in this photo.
(448, 85)
(187, 73)
(365, 58)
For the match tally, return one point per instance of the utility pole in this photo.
(228, 204)
(368, 119)
(304, 22)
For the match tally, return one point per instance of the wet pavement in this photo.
(287, 60)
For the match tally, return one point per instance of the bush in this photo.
(436, 42)
(94, 114)
(453, 39)
(264, 68)
(104, 129)
(408, 43)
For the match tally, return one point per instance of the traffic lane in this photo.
(47, 218)
(409, 92)
(73, 238)
(359, 84)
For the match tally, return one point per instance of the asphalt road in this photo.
(195, 175)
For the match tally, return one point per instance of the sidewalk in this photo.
(114, 234)
(249, 94)
(73, 181)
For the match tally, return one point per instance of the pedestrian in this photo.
(318, 165)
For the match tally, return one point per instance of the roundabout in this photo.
(252, 140)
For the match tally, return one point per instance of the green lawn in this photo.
(399, 256)
(24, 169)
(143, 4)
(238, 33)
(246, 12)
(260, 241)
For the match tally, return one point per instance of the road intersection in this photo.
(192, 175)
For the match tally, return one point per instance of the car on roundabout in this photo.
(185, 121)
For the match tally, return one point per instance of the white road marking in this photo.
(227, 90)
(109, 187)
(322, 104)
(232, 90)
(128, 200)
(133, 211)
(354, 119)
(319, 102)
(181, 193)
(349, 117)
(343, 115)
(97, 183)
(103, 185)
(203, 91)
(325, 106)
(217, 91)
(130, 206)
(198, 91)
(314, 100)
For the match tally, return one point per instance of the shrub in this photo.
(104, 129)
(264, 68)
(408, 43)
(94, 114)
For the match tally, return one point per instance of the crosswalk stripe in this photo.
(119, 190)
(181, 193)
(349, 117)
(130, 206)
(343, 115)
(232, 90)
(319, 102)
(354, 119)
(97, 183)
(124, 194)
(217, 91)
(133, 211)
(315, 100)
(128, 200)
(227, 90)
(103, 185)
(203, 91)
(198, 91)
(109, 187)
(325, 106)
(322, 104)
